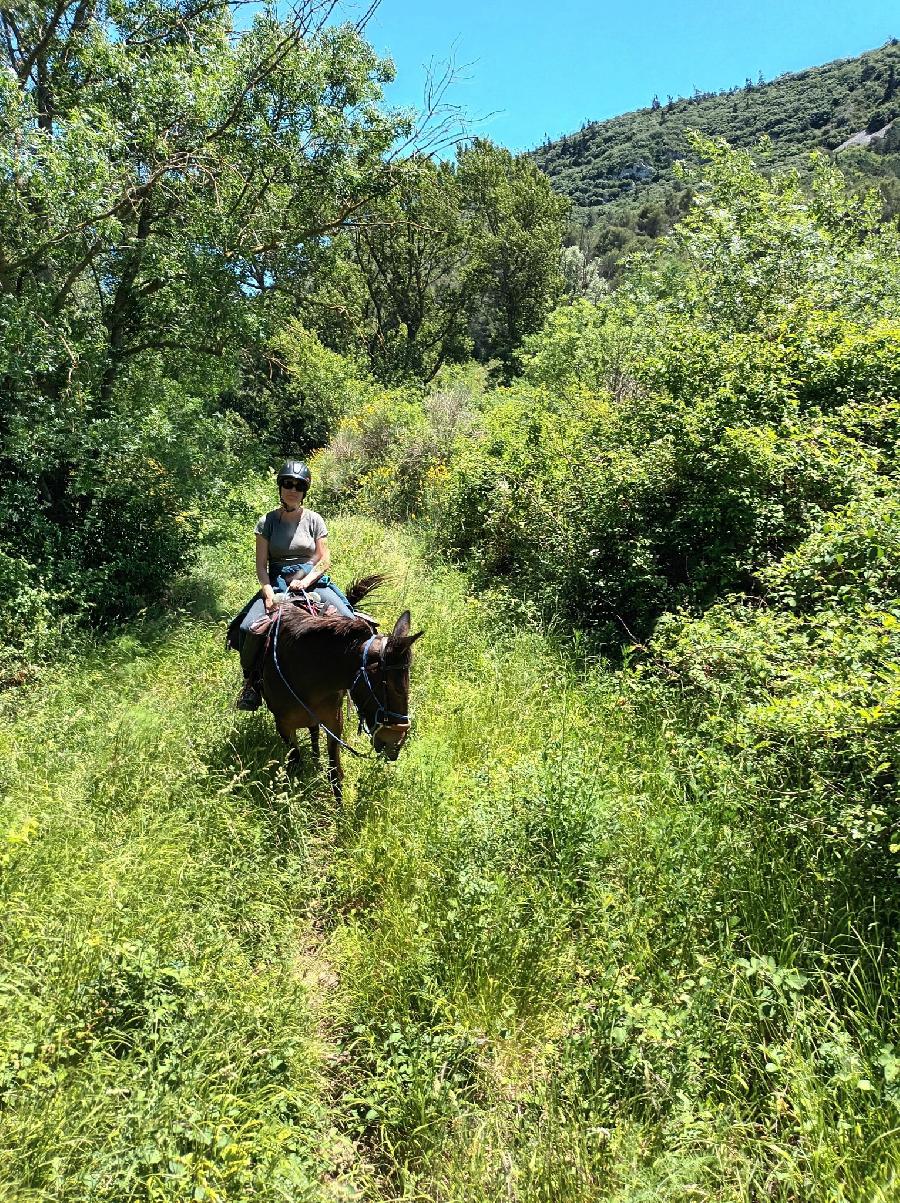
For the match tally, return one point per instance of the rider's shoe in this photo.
(249, 698)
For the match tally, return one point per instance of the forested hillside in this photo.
(621, 922)
(620, 174)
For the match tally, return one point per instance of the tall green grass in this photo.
(529, 961)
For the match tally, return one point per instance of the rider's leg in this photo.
(251, 647)
(333, 597)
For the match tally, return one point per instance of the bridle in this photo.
(390, 722)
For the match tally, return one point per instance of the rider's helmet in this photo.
(297, 469)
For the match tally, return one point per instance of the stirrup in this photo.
(249, 698)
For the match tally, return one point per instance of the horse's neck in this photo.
(336, 666)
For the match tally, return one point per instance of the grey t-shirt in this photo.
(291, 542)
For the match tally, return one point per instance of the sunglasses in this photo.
(289, 482)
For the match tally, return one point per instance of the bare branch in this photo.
(367, 16)
(438, 124)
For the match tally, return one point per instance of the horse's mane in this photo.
(296, 623)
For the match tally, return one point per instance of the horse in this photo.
(313, 662)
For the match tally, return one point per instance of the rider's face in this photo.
(292, 494)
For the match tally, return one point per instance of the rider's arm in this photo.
(321, 562)
(262, 569)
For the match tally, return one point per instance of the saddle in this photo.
(311, 602)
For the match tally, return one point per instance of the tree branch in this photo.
(43, 42)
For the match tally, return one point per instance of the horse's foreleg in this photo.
(335, 771)
(314, 741)
(288, 734)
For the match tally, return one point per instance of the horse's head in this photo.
(381, 689)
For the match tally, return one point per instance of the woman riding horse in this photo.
(291, 555)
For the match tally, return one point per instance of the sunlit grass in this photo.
(525, 962)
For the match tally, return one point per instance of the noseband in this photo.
(387, 721)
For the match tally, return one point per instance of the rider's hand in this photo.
(295, 586)
(269, 599)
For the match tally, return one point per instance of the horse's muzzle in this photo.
(389, 738)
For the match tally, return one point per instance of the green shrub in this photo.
(29, 629)
(299, 392)
(673, 441)
(850, 563)
(613, 512)
(389, 455)
(106, 511)
(806, 712)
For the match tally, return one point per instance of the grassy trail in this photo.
(507, 968)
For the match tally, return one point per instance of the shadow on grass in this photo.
(286, 789)
(195, 596)
(120, 641)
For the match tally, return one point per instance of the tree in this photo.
(412, 255)
(455, 257)
(157, 168)
(517, 222)
(158, 171)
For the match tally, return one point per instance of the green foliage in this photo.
(675, 439)
(299, 393)
(160, 181)
(454, 259)
(28, 627)
(516, 221)
(850, 562)
(802, 693)
(389, 456)
(409, 271)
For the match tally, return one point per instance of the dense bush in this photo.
(296, 392)
(674, 440)
(389, 455)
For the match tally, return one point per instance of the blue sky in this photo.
(545, 68)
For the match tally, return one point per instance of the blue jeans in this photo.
(324, 586)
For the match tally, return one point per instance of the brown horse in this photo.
(310, 665)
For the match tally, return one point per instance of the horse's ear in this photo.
(397, 649)
(401, 629)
